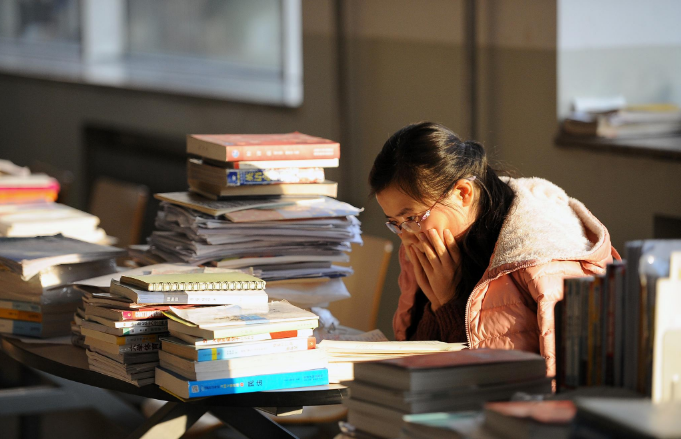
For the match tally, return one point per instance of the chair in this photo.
(370, 263)
(120, 207)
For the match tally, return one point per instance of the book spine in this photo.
(259, 383)
(141, 323)
(20, 306)
(254, 177)
(254, 337)
(14, 314)
(139, 348)
(198, 298)
(239, 153)
(141, 330)
(609, 325)
(18, 327)
(584, 332)
(240, 350)
(618, 370)
(136, 339)
(141, 315)
(559, 312)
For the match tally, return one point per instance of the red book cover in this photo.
(258, 147)
(466, 357)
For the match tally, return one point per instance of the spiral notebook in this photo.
(195, 282)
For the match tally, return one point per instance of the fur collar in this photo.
(544, 224)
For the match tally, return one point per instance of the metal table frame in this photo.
(78, 387)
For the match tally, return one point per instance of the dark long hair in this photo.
(425, 160)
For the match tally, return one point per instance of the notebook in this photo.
(195, 282)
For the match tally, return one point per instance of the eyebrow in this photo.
(401, 212)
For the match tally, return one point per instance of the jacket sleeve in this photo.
(545, 284)
(408, 288)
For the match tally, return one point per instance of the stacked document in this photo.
(36, 298)
(293, 243)
(120, 325)
(231, 349)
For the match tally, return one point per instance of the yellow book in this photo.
(14, 314)
(195, 282)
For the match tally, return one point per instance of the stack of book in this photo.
(385, 391)
(270, 211)
(27, 188)
(121, 327)
(36, 298)
(625, 121)
(611, 328)
(215, 351)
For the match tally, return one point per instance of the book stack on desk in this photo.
(385, 391)
(121, 327)
(36, 298)
(290, 230)
(18, 185)
(221, 351)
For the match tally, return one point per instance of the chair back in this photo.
(120, 207)
(370, 264)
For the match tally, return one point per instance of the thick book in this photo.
(255, 147)
(236, 350)
(196, 170)
(231, 281)
(28, 256)
(445, 399)
(272, 164)
(242, 298)
(35, 329)
(326, 188)
(118, 339)
(238, 367)
(192, 389)
(452, 369)
(27, 220)
(202, 343)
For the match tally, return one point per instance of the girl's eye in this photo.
(412, 218)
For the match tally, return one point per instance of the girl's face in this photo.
(455, 211)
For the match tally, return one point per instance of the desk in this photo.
(171, 421)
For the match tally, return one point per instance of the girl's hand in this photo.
(436, 266)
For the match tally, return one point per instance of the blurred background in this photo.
(111, 88)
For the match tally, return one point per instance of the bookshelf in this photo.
(653, 147)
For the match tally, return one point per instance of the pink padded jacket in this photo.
(546, 237)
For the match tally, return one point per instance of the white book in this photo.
(246, 298)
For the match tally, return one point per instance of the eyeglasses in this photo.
(413, 225)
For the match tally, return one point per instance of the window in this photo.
(233, 49)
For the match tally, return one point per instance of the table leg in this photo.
(169, 422)
(251, 423)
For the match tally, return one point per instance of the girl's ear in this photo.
(463, 191)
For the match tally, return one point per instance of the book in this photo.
(245, 298)
(231, 281)
(445, 399)
(28, 220)
(136, 330)
(121, 315)
(127, 324)
(236, 350)
(626, 418)
(196, 170)
(127, 358)
(28, 256)
(35, 329)
(254, 147)
(240, 331)
(326, 188)
(244, 366)
(119, 340)
(457, 425)
(278, 381)
(530, 419)
(466, 367)
(116, 349)
(272, 164)
(207, 343)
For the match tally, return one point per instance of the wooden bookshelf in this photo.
(655, 147)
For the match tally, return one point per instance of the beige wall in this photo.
(405, 63)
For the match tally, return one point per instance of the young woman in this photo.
(483, 257)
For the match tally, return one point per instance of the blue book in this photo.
(227, 386)
(21, 327)
(250, 177)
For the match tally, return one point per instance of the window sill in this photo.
(652, 147)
